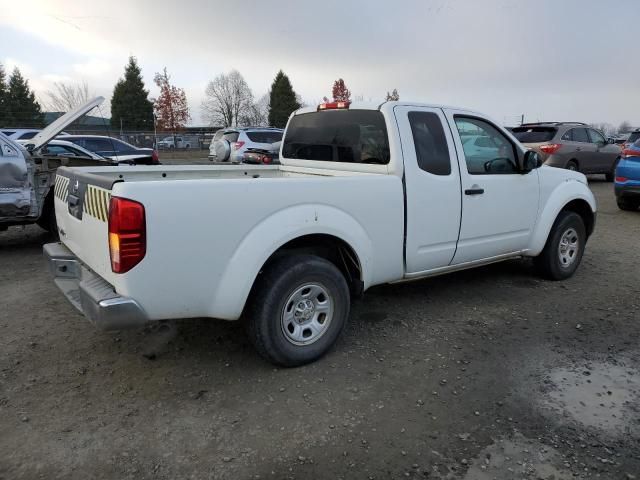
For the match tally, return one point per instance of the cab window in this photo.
(432, 151)
(496, 155)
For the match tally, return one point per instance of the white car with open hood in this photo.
(365, 195)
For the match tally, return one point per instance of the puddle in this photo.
(604, 396)
(517, 457)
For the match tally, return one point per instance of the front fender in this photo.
(269, 235)
(564, 193)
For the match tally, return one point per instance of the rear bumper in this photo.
(90, 294)
(622, 190)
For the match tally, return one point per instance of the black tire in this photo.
(572, 165)
(610, 177)
(549, 263)
(627, 204)
(277, 285)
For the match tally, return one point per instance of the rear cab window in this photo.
(534, 134)
(432, 150)
(348, 136)
(266, 136)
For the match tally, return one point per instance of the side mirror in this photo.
(531, 161)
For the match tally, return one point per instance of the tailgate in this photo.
(82, 207)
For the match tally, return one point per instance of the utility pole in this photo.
(522, 119)
(120, 126)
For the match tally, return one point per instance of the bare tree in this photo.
(604, 127)
(393, 96)
(258, 113)
(228, 99)
(625, 127)
(67, 96)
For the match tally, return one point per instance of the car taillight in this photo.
(629, 152)
(550, 148)
(237, 145)
(265, 159)
(621, 179)
(154, 157)
(334, 105)
(127, 234)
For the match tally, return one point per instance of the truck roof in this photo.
(378, 106)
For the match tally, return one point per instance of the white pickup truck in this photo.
(365, 195)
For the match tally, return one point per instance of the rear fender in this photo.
(273, 232)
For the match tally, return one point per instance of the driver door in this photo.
(499, 204)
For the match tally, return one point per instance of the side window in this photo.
(231, 136)
(98, 145)
(119, 147)
(596, 137)
(430, 142)
(568, 136)
(497, 154)
(580, 135)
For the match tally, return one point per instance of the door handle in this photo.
(474, 191)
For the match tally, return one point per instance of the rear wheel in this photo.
(297, 310)
(564, 248)
(627, 204)
(572, 165)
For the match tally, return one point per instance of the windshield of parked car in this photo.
(352, 136)
(534, 134)
(267, 136)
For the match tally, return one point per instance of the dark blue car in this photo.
(627, 181)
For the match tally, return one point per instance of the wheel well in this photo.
(583, 209)
(574, 161)
(331, 248)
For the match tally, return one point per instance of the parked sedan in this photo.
(570, 145)
(627, 186)
(115, 149)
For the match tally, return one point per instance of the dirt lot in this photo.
(491, 373)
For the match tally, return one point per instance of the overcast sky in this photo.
(546, 59)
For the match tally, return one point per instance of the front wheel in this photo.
(572, 165)
(564, 248)
(610, 177)
(297, 309)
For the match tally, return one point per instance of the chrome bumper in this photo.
(90, 294)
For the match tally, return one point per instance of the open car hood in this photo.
(61, 123)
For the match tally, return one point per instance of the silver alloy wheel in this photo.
(568, 247)
(572, 167)
(307, 314)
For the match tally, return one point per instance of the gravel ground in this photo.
(490, 373)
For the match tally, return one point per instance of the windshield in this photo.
(633, 137)
(534, 134)
(351, 136)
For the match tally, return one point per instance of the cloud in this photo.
(94, 67)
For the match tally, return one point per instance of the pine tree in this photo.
(282, 101)
(3, 97)
(131, 108)
(20, 105)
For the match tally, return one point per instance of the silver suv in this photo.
(571, 145)
(230, 144)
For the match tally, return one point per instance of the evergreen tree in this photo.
(3, 97)
(130, 102)
(19, 105)
(282, 101)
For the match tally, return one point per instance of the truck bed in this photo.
(206, 240)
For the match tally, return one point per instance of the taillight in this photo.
(127, 234)
(334, 105)
(621, 179)
(237, 145)
(265, 159)
(629, 152)
(550, 148)
(154, 157)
